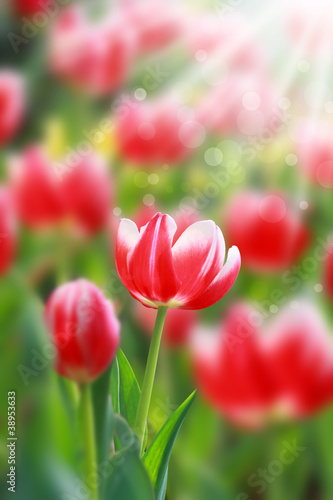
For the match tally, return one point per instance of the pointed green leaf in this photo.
(128, 479)
(156, 458)
(128, 389)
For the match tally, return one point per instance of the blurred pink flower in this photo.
(241, 103)
(189, 274)
(8, 239)
(84, 329)
(12, 104)
(156, 132)
(315, 152)
(153, 23)
(94, 56)
(253, 376)
(35, 188)
(270, 235)
(86, 189)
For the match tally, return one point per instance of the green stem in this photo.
(148, 381)
(88, 428)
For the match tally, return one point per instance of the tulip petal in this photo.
(220, 285)
(128, 237)
(198, 257)
(150, 264)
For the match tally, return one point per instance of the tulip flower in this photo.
(84, 329)
(161, 274)
(154, 24)
(7, 230)
(12, 104)
(270, 235)
(189, 274)
(315, 153)
(227, 40)
(280, 371)
(177, 327)
(36, 189)
(29, 7)
(86, 188)
(155, 132)
(241, 102)
(92, 56)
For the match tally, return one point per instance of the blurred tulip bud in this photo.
(270, 235)
(300, 349)
(315, 152)
(36, 189)
(187, 274)
(227, 41)
(177, 327)
(87, 192)
(29, 7)
(7, 229)
(241, 103)
(84, 329)
(12, 104)
(253, 376)
(155, 132)
(154, 24)
(92, 55)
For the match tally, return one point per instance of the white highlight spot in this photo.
(251, 101)
(213, 156)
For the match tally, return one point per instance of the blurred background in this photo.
(209, 109)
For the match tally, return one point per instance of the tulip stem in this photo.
(88, 428)
(148, 381)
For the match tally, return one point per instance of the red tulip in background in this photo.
(240, 103)
(36, 189)
(270, 235)
(81, 193)
(252, 376)
(94, 56)
(29, 7)
(154, 24)
(12, 104)
(157, 132)
(226, 40)
(189, 274)
(84, 329)
(7, 230)
(87, 193)
(177, 327)
(315, 152)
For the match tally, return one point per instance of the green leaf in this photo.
(128, 479)
(128, 389)
(156, 458)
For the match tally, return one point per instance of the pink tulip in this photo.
(153, 23)
(84, 329)
(187, 274)
(156, 132)
(227, 40)
(12, 104)
(242, 103)
(315, 152)
(280, 371)
(87, 193)
(269, 233)
(93, 56)
(36, 189)
(7, 230)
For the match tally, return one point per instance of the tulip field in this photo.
(166, 250)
